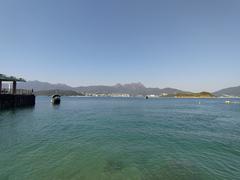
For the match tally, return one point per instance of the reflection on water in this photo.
(14, 111)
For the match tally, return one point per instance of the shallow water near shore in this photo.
(91, 138)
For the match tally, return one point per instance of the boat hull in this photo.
(56, 101)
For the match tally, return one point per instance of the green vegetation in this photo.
(195, 95)
(3, 77)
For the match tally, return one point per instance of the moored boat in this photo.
(56, 99)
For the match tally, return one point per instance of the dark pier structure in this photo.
(13, 97)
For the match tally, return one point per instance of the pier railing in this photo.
(18, 91)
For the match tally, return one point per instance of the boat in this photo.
(227, 102)
(56, 99)
(232, 102)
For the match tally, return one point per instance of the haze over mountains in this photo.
(131, 89)
(45, 88)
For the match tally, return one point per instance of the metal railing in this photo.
(18, 91)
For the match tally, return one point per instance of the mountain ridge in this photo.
(136, 88)
(130, 88)
(231, 91)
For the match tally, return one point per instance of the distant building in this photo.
(151, 95)
(164, 94)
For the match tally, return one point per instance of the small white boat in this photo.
(232, 102)
(56, 99)
(227, 102)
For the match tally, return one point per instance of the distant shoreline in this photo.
(144, 98)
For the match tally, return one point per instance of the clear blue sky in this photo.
(187, 44)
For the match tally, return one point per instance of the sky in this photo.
(191, 45)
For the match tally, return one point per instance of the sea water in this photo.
(121, 139)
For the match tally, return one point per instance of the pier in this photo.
(13, 97)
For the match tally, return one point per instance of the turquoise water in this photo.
(121, 138)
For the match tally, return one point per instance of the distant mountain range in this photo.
(57, 91)
(232, 91)
(43, 86)
(133, 89)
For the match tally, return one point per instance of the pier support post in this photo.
(14, 87)
(0, 87)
